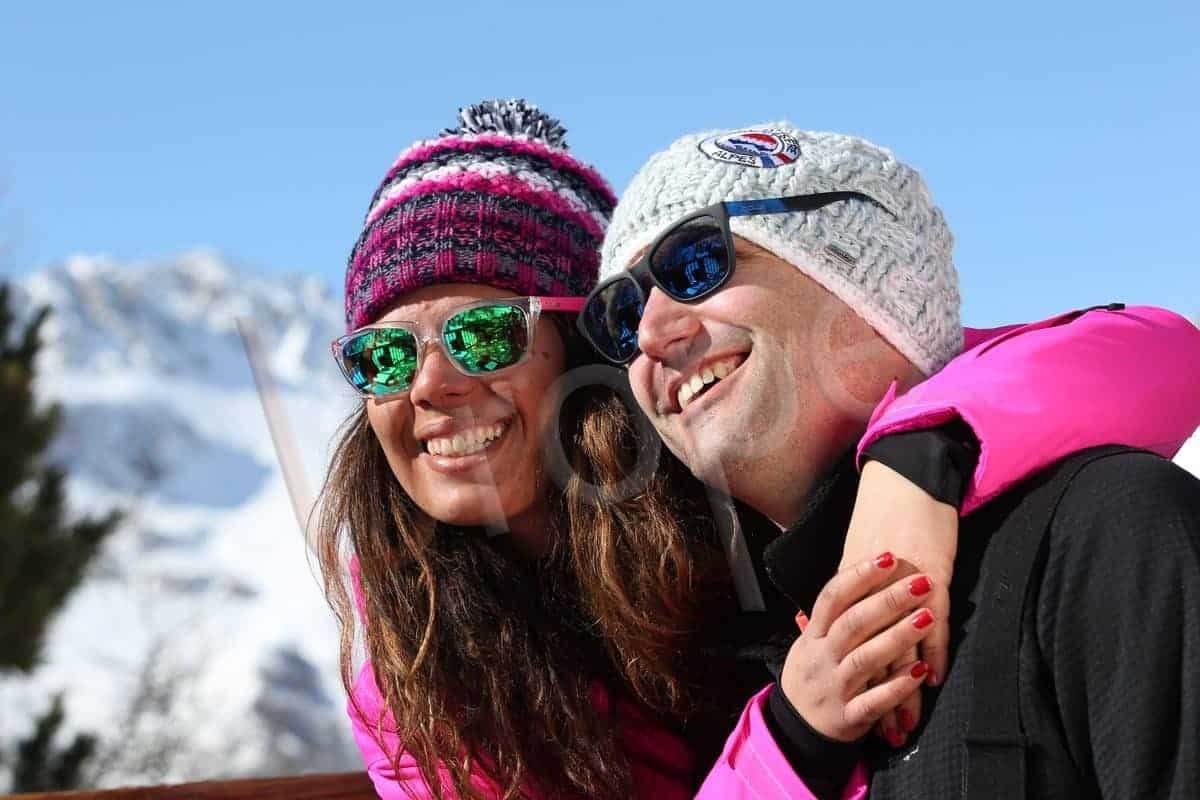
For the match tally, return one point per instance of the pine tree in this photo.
(40, 766)
(43, 554)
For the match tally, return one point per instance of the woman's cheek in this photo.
(391, 423)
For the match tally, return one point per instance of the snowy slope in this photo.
(205, 589)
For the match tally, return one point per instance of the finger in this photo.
(802, 621)
(884, 728)
(902, 720)
(847, 588)
(908, 714)
(866, 708)
(868, 617)
(878, 653)
(891, 728)
(935, 648)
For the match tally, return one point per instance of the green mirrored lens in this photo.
(487, 338)
(381, 361)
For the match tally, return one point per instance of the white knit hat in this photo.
(896, 272)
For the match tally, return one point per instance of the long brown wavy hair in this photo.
(486, 659)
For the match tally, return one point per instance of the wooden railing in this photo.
(342, 786)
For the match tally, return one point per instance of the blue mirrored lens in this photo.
(611, 319)
(692, 259)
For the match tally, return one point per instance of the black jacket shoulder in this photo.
(1117, 624)
(1129, 481)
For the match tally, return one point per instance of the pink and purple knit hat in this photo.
(497, 200)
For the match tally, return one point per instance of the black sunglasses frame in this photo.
(644, 279)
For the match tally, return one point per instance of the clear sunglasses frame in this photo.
(530, 307)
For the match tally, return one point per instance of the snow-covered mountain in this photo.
(204, 600)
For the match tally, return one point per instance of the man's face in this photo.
(801, 375)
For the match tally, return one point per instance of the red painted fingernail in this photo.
(894, 737)
(801, 621)
(919, 670)
(885, 560)
(922, 619)
(906, 720)
(919, 586)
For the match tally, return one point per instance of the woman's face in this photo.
(440, 438)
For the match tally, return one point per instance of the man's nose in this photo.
(667, 326)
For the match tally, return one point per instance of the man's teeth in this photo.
(706, 376)
(467, 442)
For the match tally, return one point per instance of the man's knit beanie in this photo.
(892, 264)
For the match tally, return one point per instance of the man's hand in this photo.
(863, 621)
(892, 513)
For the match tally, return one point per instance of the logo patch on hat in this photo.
(753, 148)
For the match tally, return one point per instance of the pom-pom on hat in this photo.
(497, 200)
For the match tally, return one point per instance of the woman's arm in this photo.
(812, 722)
(375, 735)
(1034, 394)
(376, 738)
(752, 766)
(1019, 399)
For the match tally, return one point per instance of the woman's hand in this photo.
(863, 621)
(892, 513)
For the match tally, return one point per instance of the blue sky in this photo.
(1061, 139)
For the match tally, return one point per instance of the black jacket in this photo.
(1109, 655)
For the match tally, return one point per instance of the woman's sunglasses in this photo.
(481, 338)
(689, 261)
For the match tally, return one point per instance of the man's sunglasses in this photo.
(480, 338)
(689, 261)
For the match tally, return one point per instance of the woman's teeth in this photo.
(466, 442)
(709, 375)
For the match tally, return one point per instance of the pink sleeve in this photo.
(368, 722)
(752, 767)
(661, 763)
(1035, 393)
(375, 734)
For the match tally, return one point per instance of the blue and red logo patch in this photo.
(753, 148)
